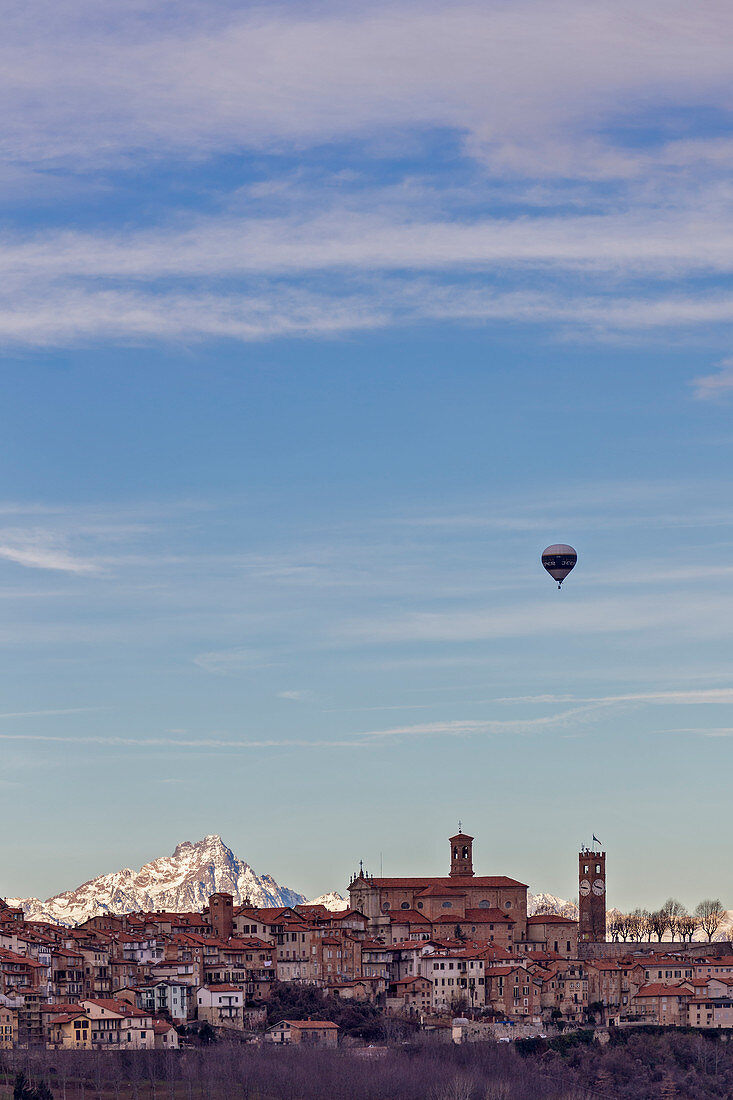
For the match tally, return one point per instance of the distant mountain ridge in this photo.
(548, 903)
(181, 882)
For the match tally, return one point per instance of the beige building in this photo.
(710, 1011)
(554, 933)
(312, 1032)
(117, 1024)
(70, 1031)
(8, 1028)
(662, 1004)
(221, 1005)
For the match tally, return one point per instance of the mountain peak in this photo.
(181, 882)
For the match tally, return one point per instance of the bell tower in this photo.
(461, 854)
(592, 895)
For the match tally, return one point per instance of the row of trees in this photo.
(671, 920)
(631, 1066)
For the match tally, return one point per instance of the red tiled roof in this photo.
(660, 990)
(310, 1024)
(550, 918)
(121, 1008)
(69, 1018)
(460, 883)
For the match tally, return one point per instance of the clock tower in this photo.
(592, 896)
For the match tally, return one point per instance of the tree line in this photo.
(672, 919)
(642, 1065)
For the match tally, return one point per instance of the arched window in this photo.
(507, 905)
(419, 905)
(405, 905)
(484, 904)
(455, 853)
(465, 851)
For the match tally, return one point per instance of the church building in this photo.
(460, 898)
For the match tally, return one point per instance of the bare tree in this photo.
(675, 911)
(687, 926)
(615, 927)
(710, 913)
(657, 924)
(635, 923)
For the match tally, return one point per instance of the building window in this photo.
(447, 905)
(405, 905)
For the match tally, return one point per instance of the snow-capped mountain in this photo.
(548, 903)
(332, 901)
(181, 882)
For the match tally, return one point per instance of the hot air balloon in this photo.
(558, 560)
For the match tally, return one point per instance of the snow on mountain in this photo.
(548, 903)
(181, 882)
(332, 901)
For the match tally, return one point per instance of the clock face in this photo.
(584, 888)
(599, 887)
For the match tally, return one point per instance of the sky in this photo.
(317, 324)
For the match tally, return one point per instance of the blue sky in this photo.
(316, 327)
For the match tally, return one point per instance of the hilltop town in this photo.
(458, 953)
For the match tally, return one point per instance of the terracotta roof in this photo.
(461, 883)
(71, 1016)
(660, 990)
(224, 988)
(121, 1008)
(327, 1024)
(550, 918)
(161, 1028)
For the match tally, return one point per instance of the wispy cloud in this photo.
(712, 387)
(46, 557)
(533, 87)
(208, 744)
(295, 696)
(692, 696)
(700, 614)
(49, 713)
(232, 662)
(543, 101)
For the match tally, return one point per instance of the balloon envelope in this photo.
(558, 560)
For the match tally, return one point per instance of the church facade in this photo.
(493, 905)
